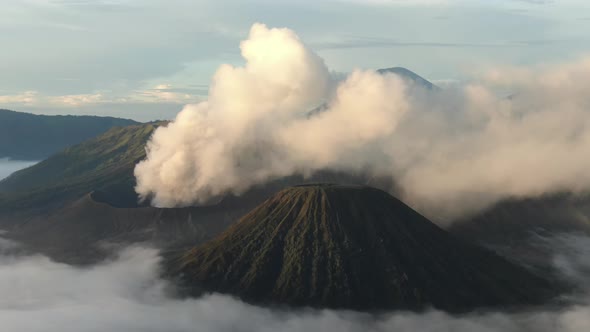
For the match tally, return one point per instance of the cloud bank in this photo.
(514, 132)
(126, 294)
(8, 166)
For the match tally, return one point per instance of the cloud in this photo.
(537, 2)
(441, 2)
(160, 94)
(26, 98)
(34, 98)
(400, 2)
(254, 127)
(126, 294)
(273, 87)
(8, 166)
(386, 43)
(451, 152)
(106, 5)
(76, 100)
(165, 93)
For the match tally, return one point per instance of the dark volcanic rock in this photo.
(351, 247)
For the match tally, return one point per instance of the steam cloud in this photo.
(126, 295)
(515, 132)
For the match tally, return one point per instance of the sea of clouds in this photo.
(126, 294)
(9, 166)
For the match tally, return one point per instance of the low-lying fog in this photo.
(126, 294)
(9, 166)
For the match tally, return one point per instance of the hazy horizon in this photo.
(146, 59)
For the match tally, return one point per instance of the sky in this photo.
(145, 59)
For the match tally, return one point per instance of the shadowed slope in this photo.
(104, 163)
(351, 247)
(33, 137)
(87, 230)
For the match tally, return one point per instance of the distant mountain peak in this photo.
(353, 247)
(411, 76)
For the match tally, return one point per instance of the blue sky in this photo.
(145, 58)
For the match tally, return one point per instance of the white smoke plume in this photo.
(255, 124)
(125, 294)
(515, 132)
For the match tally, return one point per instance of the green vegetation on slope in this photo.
(27, 136)
(104, 163)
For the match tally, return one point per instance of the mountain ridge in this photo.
(102, 163)
(27, 136)
(410, 76)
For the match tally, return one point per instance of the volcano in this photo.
(353, 247)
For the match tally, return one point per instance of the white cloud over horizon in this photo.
(115, 48)
(165, 97)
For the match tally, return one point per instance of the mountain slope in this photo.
(102, 163)
(351, 247)
(27, 136)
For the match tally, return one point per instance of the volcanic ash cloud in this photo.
(513, 132)
(255, 125)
